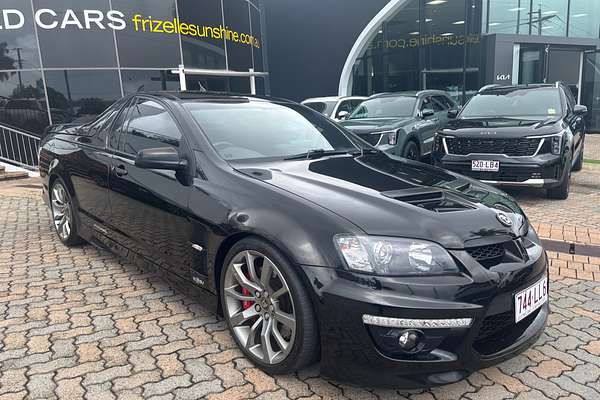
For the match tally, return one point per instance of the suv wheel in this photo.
(267, 308)
(411, 151)
(579, 163)
(561, 192)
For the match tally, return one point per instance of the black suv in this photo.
(526, 135)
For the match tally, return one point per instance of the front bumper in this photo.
(355, 352)
(540, 171)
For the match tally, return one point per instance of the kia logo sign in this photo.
(503, 77)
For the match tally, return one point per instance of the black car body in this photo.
(535, 132)
(188, 205)
(402, 123)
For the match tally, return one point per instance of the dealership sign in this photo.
(46, 18)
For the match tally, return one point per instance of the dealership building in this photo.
(65, 61)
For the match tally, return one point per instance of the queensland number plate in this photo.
(485, 165)
(530, 299)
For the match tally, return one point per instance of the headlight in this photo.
(394, 256)
(391, 137)
(556, 144)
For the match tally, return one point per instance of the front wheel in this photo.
(561, 192)
(411, 151)
(267, 308)
(579, 163)
(63, 214)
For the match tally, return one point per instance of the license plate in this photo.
(530, 299)
(485, 165)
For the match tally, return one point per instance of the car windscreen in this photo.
(385, 107)
(539, 102)
(255, 130)
(323, 107)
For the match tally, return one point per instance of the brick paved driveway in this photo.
(80, 323)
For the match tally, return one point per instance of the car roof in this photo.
(411, 93)
(332, 98)
(210, 96)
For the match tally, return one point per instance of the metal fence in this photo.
(19, 148)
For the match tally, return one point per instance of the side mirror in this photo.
(453, 113)
(343, 114)
(580, 110)
(426, 113)
(160, 158)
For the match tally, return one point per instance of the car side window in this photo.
(345, 105)
(571, 102)
(444, 101)
(429, 102)
(118, 127)
(102, 125)
(150, 126)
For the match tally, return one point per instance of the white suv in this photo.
(334, 107)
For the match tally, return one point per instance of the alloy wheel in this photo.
(259, 307)
(61, 211)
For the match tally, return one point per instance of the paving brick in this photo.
(234, 393)
(166, 385)
(41, 386)
(70, 389)
(106, 375)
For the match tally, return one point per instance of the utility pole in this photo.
(20, 65)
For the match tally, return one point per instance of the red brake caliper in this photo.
(246, 304)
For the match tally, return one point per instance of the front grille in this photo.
(510, 147)
(371, 138)
(486, 253)
(507, 173)
(494, 324)
(499, 331)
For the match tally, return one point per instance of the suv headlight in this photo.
(556, 144)
(394, 256)
(391, 137)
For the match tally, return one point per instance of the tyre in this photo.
(63, 214)
(411, 151)
(579, 163)
(561, 192)
(267, 308)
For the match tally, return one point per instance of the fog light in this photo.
(409, 340)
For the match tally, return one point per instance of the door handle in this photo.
(120, 170)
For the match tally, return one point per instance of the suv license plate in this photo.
(485, 165)
(530, 299)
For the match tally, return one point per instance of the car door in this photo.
(430, 124)
(149, 207)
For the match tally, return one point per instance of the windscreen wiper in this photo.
(316, 153)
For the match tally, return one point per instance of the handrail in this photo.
(19, 148)
(8, 128)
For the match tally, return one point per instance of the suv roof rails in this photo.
(487, 87)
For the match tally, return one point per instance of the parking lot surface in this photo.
(81, 323)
